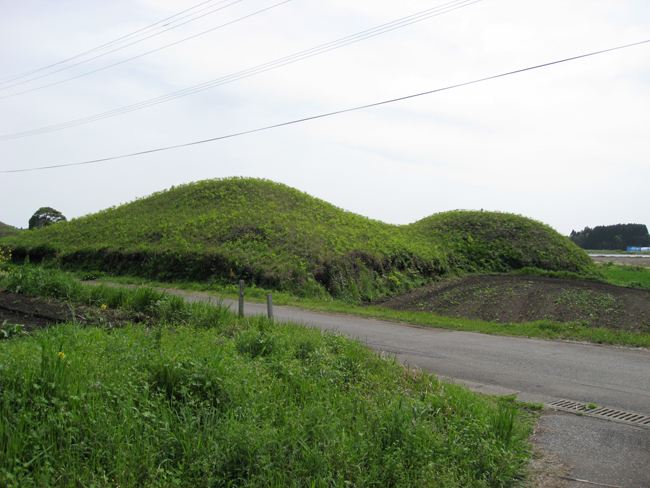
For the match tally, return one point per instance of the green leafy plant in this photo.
(632, 276)
(272, 405)
(5, 258)
(7, 331)
(275, 237)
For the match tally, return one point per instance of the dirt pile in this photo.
(513, 298)
(38, 313)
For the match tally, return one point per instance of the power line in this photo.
(115, 41)
(139, 55)
(104, 54)
(329, 114)
(345, 41)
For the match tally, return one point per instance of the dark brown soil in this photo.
(501, 298)
(38, 313)
(514, 298)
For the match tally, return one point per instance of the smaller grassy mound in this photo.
(203, 398)
(480, 241)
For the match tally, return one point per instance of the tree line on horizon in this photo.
(612, 237)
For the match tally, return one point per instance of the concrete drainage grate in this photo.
(601, 412)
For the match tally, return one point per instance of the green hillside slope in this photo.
(480, 241)
(278, 237)
(8, 230)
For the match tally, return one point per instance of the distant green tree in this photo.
(612, 237)
(45, 216)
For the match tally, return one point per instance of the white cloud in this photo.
(566, 145)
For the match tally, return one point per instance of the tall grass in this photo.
(632, 276)
(273, 236)
(205, 398)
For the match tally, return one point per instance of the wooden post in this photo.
(241, 297)
(269, 305)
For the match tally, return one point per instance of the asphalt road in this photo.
(611, 376)
(602, 452)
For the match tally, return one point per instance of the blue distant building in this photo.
(639, 249)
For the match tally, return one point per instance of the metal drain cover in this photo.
(601, 412)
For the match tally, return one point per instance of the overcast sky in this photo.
(568, 145)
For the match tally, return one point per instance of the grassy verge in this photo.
(199, 397)
(542, 329)
(622, 275)
(221, 231)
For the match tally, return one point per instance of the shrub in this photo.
(275, 237)
(45, 216)
(5, 258)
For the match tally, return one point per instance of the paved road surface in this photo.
(611, 376)
(537, 371)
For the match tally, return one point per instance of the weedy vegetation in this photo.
(623, 275)
(272, 236)
(193, 395)
(5, 259)
(197, 396)
(8, 230)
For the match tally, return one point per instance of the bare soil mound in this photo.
(514, 298)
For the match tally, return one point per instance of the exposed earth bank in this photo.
(500, 298)
(38, 313)
(513, 298)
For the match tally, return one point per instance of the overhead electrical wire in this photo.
(411, 19)
(145, 54)
(330, 114)
(104, 54)
(323, 48)
(115, 41)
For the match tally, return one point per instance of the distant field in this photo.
(624, 253)
(639, 260)
(626, 275)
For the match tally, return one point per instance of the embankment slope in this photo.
(278, 237)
